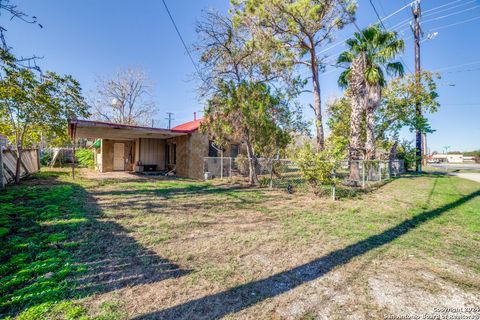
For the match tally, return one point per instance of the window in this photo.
(167, 154)
(212, 150)
(234, 150)
(174, 153)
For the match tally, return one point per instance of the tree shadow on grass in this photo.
(159, 197)
(56, 246)
(218, 305)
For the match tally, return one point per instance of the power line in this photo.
(464, 70)
(394, 13)
(376, 13)
(381, 21)
(444, 5)
(181, 38)
(406, 21)
(448, 9)
(455, 24)
(451, 14)
(458, 65)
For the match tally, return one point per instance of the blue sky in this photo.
(92, 38)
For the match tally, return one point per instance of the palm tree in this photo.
(377, 48)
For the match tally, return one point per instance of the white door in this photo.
(119, 156)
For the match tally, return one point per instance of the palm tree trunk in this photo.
(358, 92)
(373, 101)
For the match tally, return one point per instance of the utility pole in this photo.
(416, 35)
(170, 114)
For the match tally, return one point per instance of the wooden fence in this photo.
(30, 161)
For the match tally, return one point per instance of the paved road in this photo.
(469, 176)
(455, 166)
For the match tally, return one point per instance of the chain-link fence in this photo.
(284, 172)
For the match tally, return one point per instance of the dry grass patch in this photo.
(180, 249)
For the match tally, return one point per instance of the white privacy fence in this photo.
(283, 172)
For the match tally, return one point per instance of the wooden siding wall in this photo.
(30, 161)
(152, 151)
(107, 155)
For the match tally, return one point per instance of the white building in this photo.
(450, 158)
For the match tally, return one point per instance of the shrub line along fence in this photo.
(287, 173)
(8, 161)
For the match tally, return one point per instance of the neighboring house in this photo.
(122, 147)
(450, 158)
(469, 159)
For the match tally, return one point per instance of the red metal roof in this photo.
(188, 126)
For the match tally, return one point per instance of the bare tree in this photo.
(10, 10)
(125, 98)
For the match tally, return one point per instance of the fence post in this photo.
(380, 171)
(334, 175)
(2, 184)
(221, 166)
(271, 173)
(363, 173)
(230, 170)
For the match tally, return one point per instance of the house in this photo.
(469, 159)
(122, 147)
(450, 158)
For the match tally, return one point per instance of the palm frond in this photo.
(345, 57)
(395, 69)
(343, 78)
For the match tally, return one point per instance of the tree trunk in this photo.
(252, 174)
(391, 157)
(358, 91)
(373, 101)
(18, 164)
(317, 102)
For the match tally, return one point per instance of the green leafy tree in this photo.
(251, 114)
(400, 98)
(339, 113)
(234, 72)
(377, 49)
(31, 103)
(293, 32)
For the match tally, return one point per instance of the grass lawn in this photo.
(178, 249)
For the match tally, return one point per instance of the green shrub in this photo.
(85, 158)
(315, 167)
(407, 152)
(264, 181)
(242, 164)
(46, 157)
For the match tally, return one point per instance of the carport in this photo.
(127, 147)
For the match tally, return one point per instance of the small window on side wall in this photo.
(234, 150)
